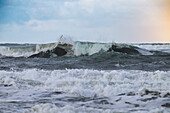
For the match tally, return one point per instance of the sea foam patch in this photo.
(51, 108)
(89, 82)
(96, 90)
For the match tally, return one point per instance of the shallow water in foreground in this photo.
(102, 82)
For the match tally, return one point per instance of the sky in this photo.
(122, 21)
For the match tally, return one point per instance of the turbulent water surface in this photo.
(84, 77)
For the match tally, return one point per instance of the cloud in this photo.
(92, 6)
(107, 20)
(18, 11)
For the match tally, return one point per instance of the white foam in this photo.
(162, 47)
(86, 83)
(91, 82)
(51, 108)
(6, 80)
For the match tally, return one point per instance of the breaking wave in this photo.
(66, 48)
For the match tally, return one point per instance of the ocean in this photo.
(85, 77)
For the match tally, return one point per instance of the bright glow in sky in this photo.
(43, 21)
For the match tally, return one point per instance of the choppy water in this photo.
(89, 78)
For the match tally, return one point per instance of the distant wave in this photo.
(66, 48)
(24, 50)
(164, 47)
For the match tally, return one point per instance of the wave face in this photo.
(88, 90)
(77, 49)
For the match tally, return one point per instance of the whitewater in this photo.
(84, 77)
